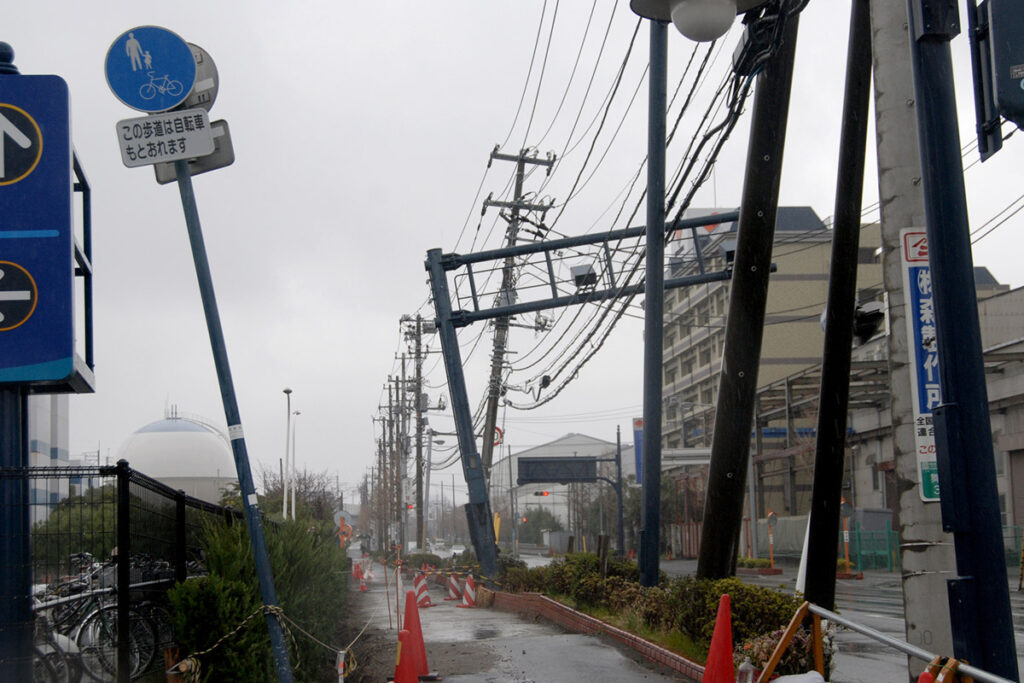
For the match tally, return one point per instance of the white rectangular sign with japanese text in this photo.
(166, 137)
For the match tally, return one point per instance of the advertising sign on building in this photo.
(923, 356)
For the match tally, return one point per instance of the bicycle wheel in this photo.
(48, 665)
(97, 643)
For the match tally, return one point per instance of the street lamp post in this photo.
(700, 20)
(295, 482)
(287, 434)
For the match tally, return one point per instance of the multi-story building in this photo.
(695, 316)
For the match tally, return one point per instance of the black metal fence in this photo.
(106, 545)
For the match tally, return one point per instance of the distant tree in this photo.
(82, 523)
(316, 495)
(537, 521)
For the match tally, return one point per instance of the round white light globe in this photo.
(703, 20)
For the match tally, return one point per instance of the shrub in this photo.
(311, 581)
(417, 560)
(203, 610)
(523, 580)
(753, 562)
(797, 659)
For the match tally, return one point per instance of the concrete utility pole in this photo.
(507, 294)
(394, 486)
(403, 458)
(421, 540)
(926, 554)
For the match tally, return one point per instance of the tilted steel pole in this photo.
(478, 509)
(979, 600)
(748, 296)
(823, 533)
(227, 393)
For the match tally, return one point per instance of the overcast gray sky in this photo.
(361, 132)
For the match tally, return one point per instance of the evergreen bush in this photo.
(311, 580)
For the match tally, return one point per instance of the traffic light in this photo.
(542, 493)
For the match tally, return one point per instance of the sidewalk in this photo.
(476, 644)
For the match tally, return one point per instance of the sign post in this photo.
(153, 70)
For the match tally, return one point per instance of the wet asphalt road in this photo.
(492, 646)
(498, 646)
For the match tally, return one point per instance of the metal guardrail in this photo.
(906, 648)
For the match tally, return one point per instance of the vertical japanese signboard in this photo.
(923, 356)
(638, 441)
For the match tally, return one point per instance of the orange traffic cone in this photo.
(405, 668)
(417, 649)
(719, 667)
(468, 593)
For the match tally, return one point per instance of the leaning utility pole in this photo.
(506, 295)
(926, 555)
(748, 297)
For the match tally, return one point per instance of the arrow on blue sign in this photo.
(8, 129)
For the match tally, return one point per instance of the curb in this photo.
(537, 605)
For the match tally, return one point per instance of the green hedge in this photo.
(311, 580)
(686, 605)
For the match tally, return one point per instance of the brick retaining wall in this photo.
(537, 605)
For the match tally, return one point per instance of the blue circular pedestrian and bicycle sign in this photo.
(150, 69)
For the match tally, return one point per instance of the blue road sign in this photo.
(150, 69)
(36, 268)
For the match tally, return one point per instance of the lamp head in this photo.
(700, 20)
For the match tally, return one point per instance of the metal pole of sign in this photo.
(227, 392)
(16, 566)
(979, 601)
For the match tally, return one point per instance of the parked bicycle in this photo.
(77, 627)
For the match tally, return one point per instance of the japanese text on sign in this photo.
(165, 137)
(924, 357)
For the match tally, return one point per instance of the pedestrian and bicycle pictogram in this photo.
(150, 69)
